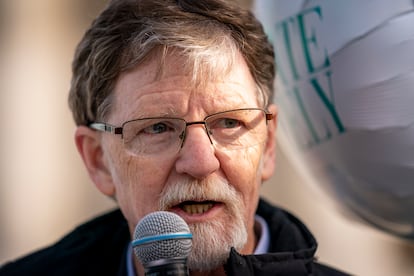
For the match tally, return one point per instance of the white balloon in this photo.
(346, 92)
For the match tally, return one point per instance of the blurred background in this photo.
(44, 189)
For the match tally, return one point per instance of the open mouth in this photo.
(196, 208)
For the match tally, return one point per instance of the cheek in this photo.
(242, 168)
(138, 184)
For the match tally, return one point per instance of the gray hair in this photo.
(206, 33)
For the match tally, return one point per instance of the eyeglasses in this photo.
(227, 130)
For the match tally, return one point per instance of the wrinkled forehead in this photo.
(202, 66)
(223, 64)
(217, 84)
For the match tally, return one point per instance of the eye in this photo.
(157, 128)
(225, 126)
(227, 123)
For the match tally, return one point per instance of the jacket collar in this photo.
(291, 251)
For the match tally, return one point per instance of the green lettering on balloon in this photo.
(327, 103)
(284, 28)
(306, 117)
(309, 40)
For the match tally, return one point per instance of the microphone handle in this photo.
(169, 269)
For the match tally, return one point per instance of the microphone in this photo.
(162, 243)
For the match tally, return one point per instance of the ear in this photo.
(89, 145)
(269, 156)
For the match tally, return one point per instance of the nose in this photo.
(197, 156)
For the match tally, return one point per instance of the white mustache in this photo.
(218, 190)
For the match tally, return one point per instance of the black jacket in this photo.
(99, 247)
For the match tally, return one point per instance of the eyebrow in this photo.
(170, 112)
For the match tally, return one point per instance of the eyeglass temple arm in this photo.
(106, 128)
(269, 116)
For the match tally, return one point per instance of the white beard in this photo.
(212, 240)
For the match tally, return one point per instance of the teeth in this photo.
(197, 208)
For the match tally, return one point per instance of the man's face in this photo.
(215, 191)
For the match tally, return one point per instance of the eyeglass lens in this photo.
(227, 130)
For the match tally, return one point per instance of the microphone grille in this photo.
(149, 244)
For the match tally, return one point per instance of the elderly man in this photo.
(173, 103)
